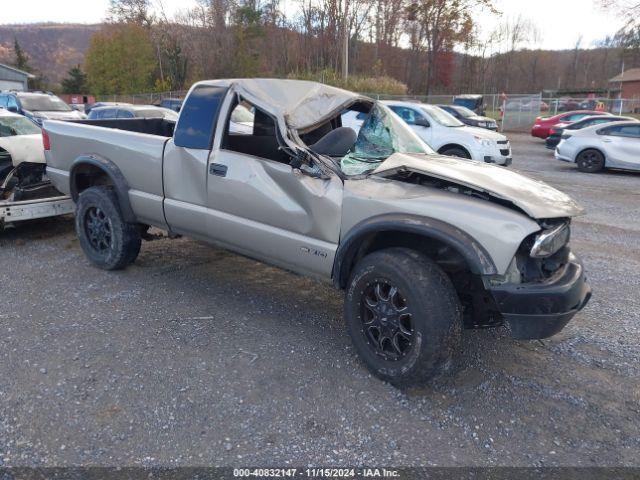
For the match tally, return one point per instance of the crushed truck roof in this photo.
(302, 104)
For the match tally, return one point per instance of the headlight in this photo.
(484, 142)
(550, 241)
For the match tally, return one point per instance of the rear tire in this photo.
(403, 316)
(107, 240)
(590, 161)
(456, 152)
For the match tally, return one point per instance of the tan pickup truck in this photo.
(424, 245)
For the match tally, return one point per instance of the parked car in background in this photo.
(132, 111)
(592, 149)
(38, 106)
(449, 136)
(423, 245)
(472, 102)
(174, 104)
(88, 108)
(469, 117)
(556, 132)
(25, 191)
(542, 126)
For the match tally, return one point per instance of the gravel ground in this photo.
(194, 356)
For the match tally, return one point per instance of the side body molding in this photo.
(120, 185)
(473, 252)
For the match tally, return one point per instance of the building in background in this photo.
(627, 84)
(13, 79)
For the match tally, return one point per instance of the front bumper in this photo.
(540, 310)
(499, 154)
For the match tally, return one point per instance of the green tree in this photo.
(120, 60)
(249, 33)
(22, 61)
(76, 81)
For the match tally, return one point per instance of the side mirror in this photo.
(13, 109)
(422, 122)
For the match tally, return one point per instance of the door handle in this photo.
(218, 169)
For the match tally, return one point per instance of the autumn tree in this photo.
(120, 60)
(437, 26)
(130, 11)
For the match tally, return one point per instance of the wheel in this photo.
(456, 152)
(107, 240)
(403, 316)
(590, 161)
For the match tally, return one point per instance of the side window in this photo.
(407, 114)
(125, 114)
(11, 102)
(252, 131)
(108, 114)
(632, 131)
(242, 119)
(196, 126)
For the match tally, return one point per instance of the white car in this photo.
(444, 133)
(592, 149)
(20, 142)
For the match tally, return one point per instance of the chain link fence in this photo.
(514, 112)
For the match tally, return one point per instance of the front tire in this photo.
(403, 316)
(590, 161)
(456, 152)
(107, 240)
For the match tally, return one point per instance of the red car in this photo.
(541, 128)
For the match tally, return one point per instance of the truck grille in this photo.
(505, 152)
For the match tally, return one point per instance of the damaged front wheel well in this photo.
(460, 257)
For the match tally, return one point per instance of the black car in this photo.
(472, 102)
(174, 104)
(556, 132)
(468, 117)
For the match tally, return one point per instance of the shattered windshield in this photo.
(382, 134)
(14, 126)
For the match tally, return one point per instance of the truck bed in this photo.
(151, 126)
(134, 146)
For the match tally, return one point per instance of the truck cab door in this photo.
(260, 206)
(186, 160)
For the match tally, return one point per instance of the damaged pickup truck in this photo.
(25, 192)
(424, 245)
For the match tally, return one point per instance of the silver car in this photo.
(592, 149)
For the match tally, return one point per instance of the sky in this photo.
(559, 22)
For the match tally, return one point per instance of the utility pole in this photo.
(345, 41)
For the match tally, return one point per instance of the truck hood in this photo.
(24, 148)
(535, 198)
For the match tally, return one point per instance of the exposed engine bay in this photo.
(27, 181)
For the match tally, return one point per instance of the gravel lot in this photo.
(194, 356)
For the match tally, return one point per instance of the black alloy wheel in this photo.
(387, 323)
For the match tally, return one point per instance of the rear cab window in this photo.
(196, 126)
